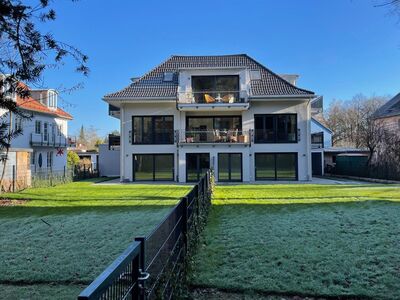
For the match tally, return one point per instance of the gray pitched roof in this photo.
(389, 109)
(151, 85)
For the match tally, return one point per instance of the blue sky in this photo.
(339, 48)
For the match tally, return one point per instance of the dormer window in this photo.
(218, 89)
(52, 101)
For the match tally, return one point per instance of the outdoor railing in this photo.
(48, 140)
(212, 97)
(114, 140)
(153, 267)
(214, 136)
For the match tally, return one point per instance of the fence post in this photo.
(64, 174)
(142, 266)
(13, 178)
(51, 176)
(185, 223)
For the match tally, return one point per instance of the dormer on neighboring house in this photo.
(48, 97)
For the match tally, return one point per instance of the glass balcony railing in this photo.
(214, 136)
(212, 97)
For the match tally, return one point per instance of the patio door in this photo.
(197, 165)
(229, 166)
(153, 167)
(276, 166)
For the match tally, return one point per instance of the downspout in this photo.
(308, 139)
(122, 145)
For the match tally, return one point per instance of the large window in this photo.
(276, 128)
(276, 166)
(213, 129)
(197, 165)
(214, 123)
(229, 167)
(153, 167)
(153, 129)
(216, 88)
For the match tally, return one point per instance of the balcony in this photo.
(114, 141)
(42, 140)
(114, 111)
(213, 137)
(213, 100)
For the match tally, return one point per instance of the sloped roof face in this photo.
(151, 85)
(389, 109)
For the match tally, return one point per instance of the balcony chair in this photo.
(229, 98)
(209, 99)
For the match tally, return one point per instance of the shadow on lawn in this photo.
(25, 211)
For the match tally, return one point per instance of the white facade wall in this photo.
(277, 106)
(59, 154)
(109, 161)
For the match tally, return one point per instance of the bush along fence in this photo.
(357, 166)
(154, 267)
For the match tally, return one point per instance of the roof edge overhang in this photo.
(282, 97)
(46, 113)
(139, 99)
(214, 68)
(320, 124)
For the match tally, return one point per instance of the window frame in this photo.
(275, 126)
(38, 125)
(317, 135)
(275, 178)
(153, 132)
(18, 123)
(49, 163)
(198, 169)
(214, 77)
(213, 120)
(230, 167)
(153, 155)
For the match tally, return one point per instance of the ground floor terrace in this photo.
(230, 164)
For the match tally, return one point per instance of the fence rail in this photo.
(153, 267)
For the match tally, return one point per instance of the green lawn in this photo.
(327, 240)
(64, 236)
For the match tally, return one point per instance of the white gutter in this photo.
(261, 97)
(138, 99)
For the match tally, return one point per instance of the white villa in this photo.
(229, 113)
(45, 134)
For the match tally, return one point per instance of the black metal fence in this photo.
(153, 267)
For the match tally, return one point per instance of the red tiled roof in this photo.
(31, 104)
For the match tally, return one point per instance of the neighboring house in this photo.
(45, 134)
(321, 139)
(389, 114)
(229, 113)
